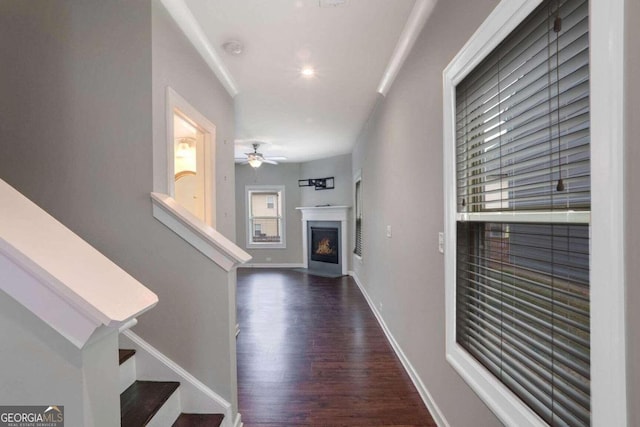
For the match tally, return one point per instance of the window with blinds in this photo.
(358, 211)
(522, 149)
(265, 216)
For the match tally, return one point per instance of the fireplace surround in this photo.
(325, 217)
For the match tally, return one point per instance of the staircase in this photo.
(154, 403)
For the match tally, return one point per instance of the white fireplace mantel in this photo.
(326, 213)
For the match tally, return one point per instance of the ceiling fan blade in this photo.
(276, 158)
(270, 161)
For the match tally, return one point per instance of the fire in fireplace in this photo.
(324, 244)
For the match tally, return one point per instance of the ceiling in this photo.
(349, 46)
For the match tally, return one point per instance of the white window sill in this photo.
(266, 245)
(506, 405)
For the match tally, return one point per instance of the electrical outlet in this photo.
(441, 242)
(268, 259)
(380, 305)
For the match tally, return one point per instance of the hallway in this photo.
(310, 352)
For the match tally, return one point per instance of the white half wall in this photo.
(41, 367)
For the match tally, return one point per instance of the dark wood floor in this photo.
(310, 352)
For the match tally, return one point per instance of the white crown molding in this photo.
(419, 14)
(181, 14)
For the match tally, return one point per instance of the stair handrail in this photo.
(60, 277)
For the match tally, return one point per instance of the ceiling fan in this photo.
(256, 159)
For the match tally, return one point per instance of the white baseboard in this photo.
(195, 396)
(437, 415)
(272, 265)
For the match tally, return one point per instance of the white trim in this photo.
(569, 217)
(274, 265)
(174, 101)
(130, 324)
(498, 25)
(201, 236)
(431, 405)
(608, 281)
(61, 278)
(196, 397)
(181, 14)
(283, 217)
(419, 14)
(238, 422)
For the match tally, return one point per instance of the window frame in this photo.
(608, 328)
(249, 190)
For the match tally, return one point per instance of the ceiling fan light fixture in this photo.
(255, 162)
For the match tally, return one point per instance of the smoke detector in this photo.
(331, 3)
(233, 47)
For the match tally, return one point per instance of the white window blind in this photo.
(522, 146)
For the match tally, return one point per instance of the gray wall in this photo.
(177, 64)
(400, 154)
(632, 209)
(283, 174)
(338, 167)
(76, 138)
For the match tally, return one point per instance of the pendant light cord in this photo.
(557, 27)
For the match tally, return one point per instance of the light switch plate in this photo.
(441, 242)
(388, 231)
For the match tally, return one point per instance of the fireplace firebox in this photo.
(325, 245)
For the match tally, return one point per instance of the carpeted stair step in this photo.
(142, 400)
(199, 420)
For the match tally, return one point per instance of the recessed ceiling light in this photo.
(331, 3)
(308, 72)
